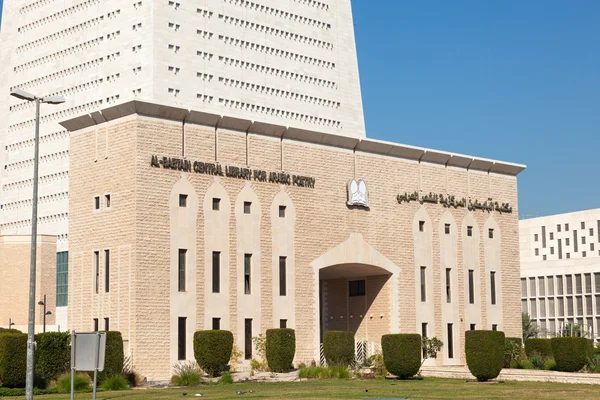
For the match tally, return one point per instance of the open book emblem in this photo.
(358, 194)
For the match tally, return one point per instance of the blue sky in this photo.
(511, 80)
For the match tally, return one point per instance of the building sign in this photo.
(451, 201)
(198, 167)
(358, 193)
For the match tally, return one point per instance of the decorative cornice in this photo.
(374, 146)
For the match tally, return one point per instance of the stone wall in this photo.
(138, 227)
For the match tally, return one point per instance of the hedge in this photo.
(52, 354)
(541, 347)
(13, 359)
(402, 354)
(114, 358)
(280, 349)
(11, 330)
(212, 350)
(512, 347)
(570, 353)
(338, 347)
(485, 353)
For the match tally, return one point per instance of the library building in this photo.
(182, 221)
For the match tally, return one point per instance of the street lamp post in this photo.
(10, 323)
(43, 303)
(23, 95)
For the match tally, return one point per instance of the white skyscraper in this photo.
(284, 62)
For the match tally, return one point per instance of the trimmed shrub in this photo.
(512, 350)
(212, 350)
(485, 353)
(13, 359)
(52, 354)
(21, 392)
(114, 359)
(541, 347)
(402, 354)
(11, 330)
(338, 347)
(570, 353)
(115, 382)
(280, 349)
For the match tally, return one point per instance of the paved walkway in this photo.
(529, 375)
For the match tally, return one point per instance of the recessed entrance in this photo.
(356, 289)
(355, 297)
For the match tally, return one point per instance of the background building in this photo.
(285, 62)
(560, 270)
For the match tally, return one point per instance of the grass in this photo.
(323, 373)
(428, 388)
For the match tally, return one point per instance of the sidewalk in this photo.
(525, 375)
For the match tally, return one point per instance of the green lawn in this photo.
(429, 388)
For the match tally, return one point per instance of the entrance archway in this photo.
(356, 288)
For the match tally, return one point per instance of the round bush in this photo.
(402, 354)
(280, 349)
(570, 353)
(212, 350)
(338, 347)
(13, 359)
(114, 358)
(485, 353)
(541, 347)
(52, 354)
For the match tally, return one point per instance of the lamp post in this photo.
(10, 323)
(23, 95)
(43, 303)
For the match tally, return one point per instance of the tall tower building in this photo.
(283, 62)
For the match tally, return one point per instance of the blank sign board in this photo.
(88, 346)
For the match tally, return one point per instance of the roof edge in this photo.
(367, 145)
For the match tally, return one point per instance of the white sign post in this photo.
(87, 354)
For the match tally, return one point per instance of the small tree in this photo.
(260, 363)
(512, 351)
(431, 347)
(530, 328)
(573, 330)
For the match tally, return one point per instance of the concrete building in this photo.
(289, 62)
(560, 272)
(211, 170)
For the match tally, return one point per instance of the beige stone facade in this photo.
(325, 242)
(15, 253)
